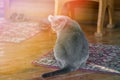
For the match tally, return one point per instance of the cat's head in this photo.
(57, 22)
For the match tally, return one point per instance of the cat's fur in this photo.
(71, 48)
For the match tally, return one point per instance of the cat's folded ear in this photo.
(50, 18)
(62, 19)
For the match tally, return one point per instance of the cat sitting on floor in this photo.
(71, 48)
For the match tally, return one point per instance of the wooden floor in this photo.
(15, 63)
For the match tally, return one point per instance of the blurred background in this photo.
(36, 9)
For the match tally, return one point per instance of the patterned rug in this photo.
(17, 31)
(103, 58)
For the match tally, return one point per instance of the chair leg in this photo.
(110, 12)
(58, 7)
(101, 14)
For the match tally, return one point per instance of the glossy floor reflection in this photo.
(16, 58)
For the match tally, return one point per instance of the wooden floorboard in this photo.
(15, 63)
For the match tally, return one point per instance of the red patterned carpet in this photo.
(103, 58)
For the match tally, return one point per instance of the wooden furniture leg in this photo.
(103, 5)
(110, 12)
(58, 7)
(101, 15)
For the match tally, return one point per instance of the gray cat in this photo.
(71, 48)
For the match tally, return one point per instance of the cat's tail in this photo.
(57, 72)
